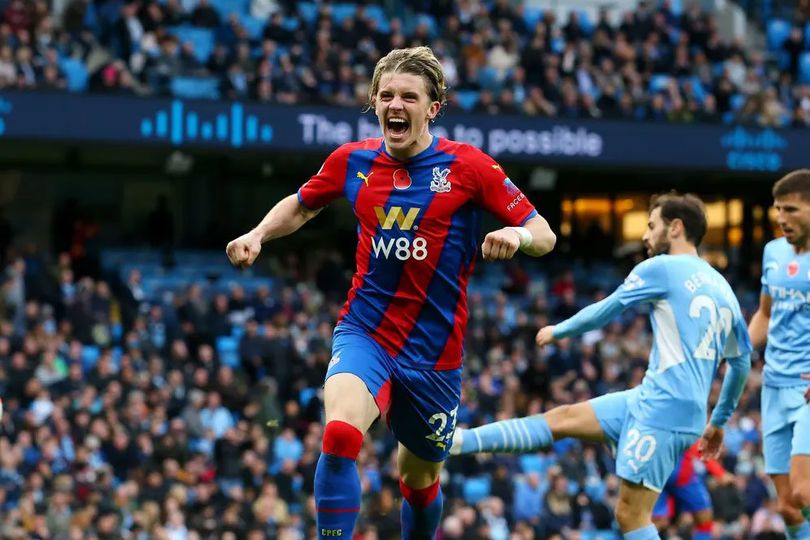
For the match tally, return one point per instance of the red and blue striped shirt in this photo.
(418, 237)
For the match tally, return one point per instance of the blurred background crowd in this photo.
(663, 61)
(176, 398)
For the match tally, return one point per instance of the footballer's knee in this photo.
(560, 419)
(703, 517)
(347, 399)
(416, 472)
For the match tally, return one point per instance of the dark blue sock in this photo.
(421, 511)
(337, 484)
(337, 496)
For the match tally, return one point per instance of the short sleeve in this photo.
(327, 184)
(647, 282)
(497, 193)
(768, 267)
(738, 341)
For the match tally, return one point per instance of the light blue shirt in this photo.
(786, 279)
(696, 322)
(218, 420)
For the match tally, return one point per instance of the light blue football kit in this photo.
(696, 322)
(801, 435)
(786, 279)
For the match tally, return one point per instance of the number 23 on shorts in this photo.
(443, 432)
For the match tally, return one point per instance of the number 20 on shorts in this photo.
(639, 448)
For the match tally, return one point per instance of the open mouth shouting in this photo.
(397, 128)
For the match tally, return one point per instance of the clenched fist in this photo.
(500, 245)
(545, 336)
(244, 250)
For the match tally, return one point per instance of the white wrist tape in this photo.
(525, 236)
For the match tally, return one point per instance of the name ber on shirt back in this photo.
(786, 279)
(696, 321)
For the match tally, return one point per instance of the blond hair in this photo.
(416, 61)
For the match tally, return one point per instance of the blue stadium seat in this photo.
(488, 78)
(430, 22)
(90, 356)
(804, 68)
(290, 23)
(343, 11)
(226, 7)
(253, 26)
(677, 7)
(201, 38)
(228, 351)
(777, 31)
(736, 102)
(659, 82)
(532, 16)
(475, 489)
(195, 87)
(585, 22)
(467, 99)
(807, 35)
(75, 74)
(306, 396)
(116, 331)
(377, 13)
(530, 463)
(308, 11)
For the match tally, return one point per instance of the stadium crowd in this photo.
(125, 418)
(660, 63)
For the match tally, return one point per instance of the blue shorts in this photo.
(690, 497)
(780, 410)
(801, 434)
(419, 405)
(645, 455)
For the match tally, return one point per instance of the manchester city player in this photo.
(800, 458)
(783, 321)
(696, 322)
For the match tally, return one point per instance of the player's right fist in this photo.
(244, 250)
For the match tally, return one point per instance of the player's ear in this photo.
(433, 110)
(676, 227)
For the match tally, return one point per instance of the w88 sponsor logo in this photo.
(402, 248)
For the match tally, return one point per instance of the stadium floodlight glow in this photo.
(543, 179)
(179, 163)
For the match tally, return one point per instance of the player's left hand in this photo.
(500, 245)
(806, 377)
(710, 442)
(545, 336)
